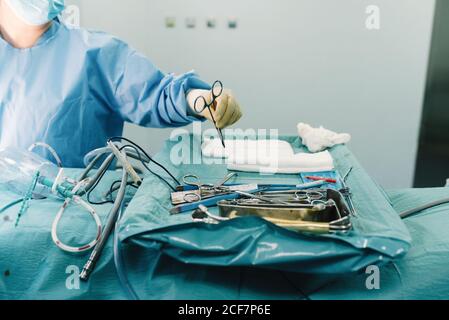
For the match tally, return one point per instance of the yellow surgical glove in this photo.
(226, 110)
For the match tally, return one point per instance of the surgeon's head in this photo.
(22, 22)
(35, 12)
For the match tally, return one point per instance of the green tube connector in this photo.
(63, 191)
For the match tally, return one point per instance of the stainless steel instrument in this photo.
(317, 211)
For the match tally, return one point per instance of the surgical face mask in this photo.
(36, 12)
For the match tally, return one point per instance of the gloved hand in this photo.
(226, 110)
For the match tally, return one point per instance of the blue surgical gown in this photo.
(75, 88)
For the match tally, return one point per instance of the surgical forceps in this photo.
(346, 191)
(203, 191)
(201, 104)
(309, 197)
(301, 197)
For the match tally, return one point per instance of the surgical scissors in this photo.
(201, 105)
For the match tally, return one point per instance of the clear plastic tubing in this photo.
(18, 167)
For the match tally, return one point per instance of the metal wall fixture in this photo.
(190, 23)
(170, 22)
(211, 23)
(233, 23)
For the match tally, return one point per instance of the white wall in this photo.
(296, 60)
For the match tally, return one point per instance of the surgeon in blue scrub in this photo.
(73, 89)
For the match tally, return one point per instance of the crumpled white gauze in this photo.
(266, 156)
(319, 139)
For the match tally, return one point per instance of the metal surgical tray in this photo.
(320, 210)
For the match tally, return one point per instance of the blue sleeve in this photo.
(143, 94)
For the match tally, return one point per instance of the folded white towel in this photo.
(214, 149)
(267, 156)
(297, 163)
